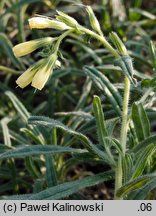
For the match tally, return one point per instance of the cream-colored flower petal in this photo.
(26, 78)
(29, 46)
(44, 72)
(41, 23)
(41, 77)
(24, 48)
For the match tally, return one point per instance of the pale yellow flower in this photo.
(39, 73)
(30, 46)
(42, 75)
(26, 78)
(41, 23)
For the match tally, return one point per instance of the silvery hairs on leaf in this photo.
(125, 63)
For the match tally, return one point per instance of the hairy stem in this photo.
(60, 38)
(102, 39)
(123, 136)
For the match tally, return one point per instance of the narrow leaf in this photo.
(29, 150)
(68, 188)
(135, 184)
(142, 160)
(141, 122)
(48, 122)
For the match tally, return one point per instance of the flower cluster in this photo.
(39, 73)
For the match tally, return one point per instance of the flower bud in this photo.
(118, 43)
(93, 20)
(42, 23)
(25, 48)
(68, 20)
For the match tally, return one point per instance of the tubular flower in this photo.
(39, 73)
(43, 74)
(25, 48)
(42, 23)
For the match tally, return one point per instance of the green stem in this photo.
(124, 127)
(123, 136)
(102, 39)
(60, 38)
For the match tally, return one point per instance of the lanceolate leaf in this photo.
(144, 143)
(141, 122)
(143, 192)
(71, 187)
(24, 115)
(142, 160)
(50, 171)
(127, 165)
(6, 44)
(29, 150)
(102, 83)
(100, 122)
(135, 184)
(101, 128)
(68, 188)
(48, 122)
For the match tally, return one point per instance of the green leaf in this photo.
(135, 184)
(5, 129)
(144, 143)
(31, 167)
(50, 171)
(100, 122)
(141, 122)
(101, 128)
(85, 94)
(142, 160)
(144, 191)
(51, 123)
(18, 105)
(24, 115)
(4, 148)
(152, 49)
(38, 185)
(102, 82)
(88, 50)
(7, 45)
(68, 188)
(65, 189)
(127, 165)
(30, 150)
(79, 114)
